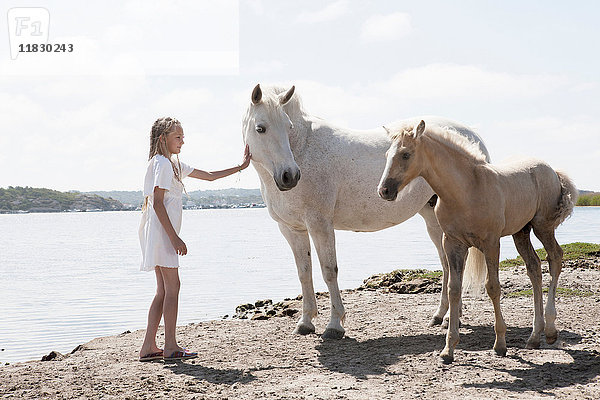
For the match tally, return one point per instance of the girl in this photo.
(159, 232)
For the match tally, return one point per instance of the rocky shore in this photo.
(389, 352)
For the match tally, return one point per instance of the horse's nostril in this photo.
(384, 191)
(286, 178)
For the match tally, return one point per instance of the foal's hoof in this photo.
(500, 351)
(436, 321)
(332, 334)
(303, 329)
(533, 344)
(447, 358)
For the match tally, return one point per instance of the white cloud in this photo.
(568, 144)
(257, 6)
(381, 28)
(341, 106)
(263, 67)
(331, 12)
(454, 80)
(182, 101)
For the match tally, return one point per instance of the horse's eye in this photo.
(405, 156)
(260, 129)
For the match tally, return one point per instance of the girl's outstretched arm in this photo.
(214, 175)
(163, 217)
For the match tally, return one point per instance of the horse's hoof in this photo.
(533, 344)
(447, 358)
(332, 334)
(304, 329)
(550, 339)
(500, 351)
(436, 321)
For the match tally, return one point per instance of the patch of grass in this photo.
(560, 292)
(410, 274)
(400, 275)
(572, 251)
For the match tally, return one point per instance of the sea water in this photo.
(66, 278)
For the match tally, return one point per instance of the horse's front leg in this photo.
(435, 233)
(492, 285)
(456, 253)
(300, 244)
(323, 237)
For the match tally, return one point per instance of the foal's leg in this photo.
(323, 237)
(492, 285)
(435, 233)
(555, 254)
(456, 253)
(534, 271)
(300, 244)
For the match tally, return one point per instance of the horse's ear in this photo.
(387, 130)
(287, 96)
(256, 94)
(419, 129)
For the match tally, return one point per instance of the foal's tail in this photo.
(568, 198)
(475, 271)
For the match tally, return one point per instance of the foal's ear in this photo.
(256, 94)
(287, 96)
(419, 129)
(387, 130)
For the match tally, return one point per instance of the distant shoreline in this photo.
(26, 200)
(225, 207)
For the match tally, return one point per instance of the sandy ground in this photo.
(389, 352)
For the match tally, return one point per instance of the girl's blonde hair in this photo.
(158, 145)
(158, 141)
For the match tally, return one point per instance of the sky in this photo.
(525, 75)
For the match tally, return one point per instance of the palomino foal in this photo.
(511, 199)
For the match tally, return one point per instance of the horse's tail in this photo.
(568, 198)
(475, 271)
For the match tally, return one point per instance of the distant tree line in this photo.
(589, 199)
(28, 199)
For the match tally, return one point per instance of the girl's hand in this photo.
(179, 246)
(247, 157)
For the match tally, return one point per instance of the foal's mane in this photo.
(449, 137)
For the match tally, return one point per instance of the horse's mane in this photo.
(451, 138)
(271, 97)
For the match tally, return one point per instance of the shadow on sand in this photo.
(530, 376)
(374, 356)
(212, 375)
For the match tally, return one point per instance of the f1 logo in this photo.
(27, 25)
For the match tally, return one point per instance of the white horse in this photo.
(317, 177)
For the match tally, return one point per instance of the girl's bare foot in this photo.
(151, 350)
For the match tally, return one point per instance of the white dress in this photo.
(156, 246)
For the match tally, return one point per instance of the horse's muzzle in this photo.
(288, 179)
(388, 190)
